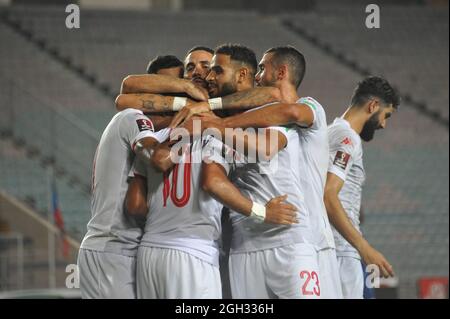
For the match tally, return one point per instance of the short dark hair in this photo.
(239, 53)
(200, 48)
(294, 59)
(375, 86)
(163, 62)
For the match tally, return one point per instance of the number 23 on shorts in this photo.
(311, 285)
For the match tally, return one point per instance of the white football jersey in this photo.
(299, 170)
(346, 162)
(313, 172)
(181, 215)
(110, 229)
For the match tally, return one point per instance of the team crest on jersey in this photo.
(144, 125)
(347, 141)
(341, 159)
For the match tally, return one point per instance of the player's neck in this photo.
(355, 118)
(288, 94)
(244, 86)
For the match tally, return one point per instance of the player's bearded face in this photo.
(217, 89)
(222, 79)
(370, 127)
(227, 88)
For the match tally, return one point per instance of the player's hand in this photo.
(280, 212)
(196, 92)
(187, 112)
(194, 126)
(209, 116)
(210, 120)
(371, 256)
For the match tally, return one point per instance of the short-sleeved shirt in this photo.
(346, 162)
(181, 215)
(109, 229)
(299, 171)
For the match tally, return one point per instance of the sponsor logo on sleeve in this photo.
(347, 141)
(144, 125)
(341, 159)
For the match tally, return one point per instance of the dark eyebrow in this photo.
(217, 68)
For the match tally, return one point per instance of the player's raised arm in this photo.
(343, 225)
(250, 98)
(216, 183)
(242, 100)
(162, 84)
(151, 103)
(272, 115)
(261, 145)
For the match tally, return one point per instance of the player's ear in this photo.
(282, 72)
(373, 106)
(243, 74)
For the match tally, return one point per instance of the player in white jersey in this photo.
(139, 91)
(178, 257)
(183, 227)
(302, 167)
(106, 258)
(373, 102)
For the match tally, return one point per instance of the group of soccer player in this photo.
(158, 210)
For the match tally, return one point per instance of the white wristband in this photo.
(258, 211)
(215, 104)
(178, 103)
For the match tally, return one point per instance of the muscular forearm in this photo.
(162, 159)
(341, 222)
(146, 102)
(257, 145)
(251, 98)
(226, 193)
(153, 83)
(268, 116)
(273, 115)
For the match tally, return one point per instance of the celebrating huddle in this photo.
(197, 144)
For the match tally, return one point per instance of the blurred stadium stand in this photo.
(57, 88)
(410, 48)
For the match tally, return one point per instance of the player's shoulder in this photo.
(311, 102)
(320, 118)
(341, 130)
(130, 114)
(130, 117)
